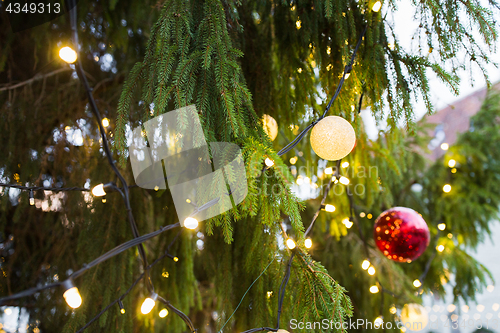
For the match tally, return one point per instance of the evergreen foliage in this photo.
(235, 61)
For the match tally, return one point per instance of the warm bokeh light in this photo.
(440, 248)
(344, 180)
(376, 6)
(163, 313)
(374, 289)
(290, 244)
(190, 223)
(293, 160)
(329, 208)
(371, 270)
(73, 298)
(447, 188)
(98, 190)
(68, 54)
(452, 163)
(328, 171)
(105, 122)
(345, 164)
(269, 162)
(348, 224)
(365, 264)
(308, 243)
(445, 146)
(270, 126)
(417, 283)
(441, 226)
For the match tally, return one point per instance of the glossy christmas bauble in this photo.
(401, 234)
(333, 138)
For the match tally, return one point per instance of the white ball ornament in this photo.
(270, 126)
(333, 138)
(414, 317)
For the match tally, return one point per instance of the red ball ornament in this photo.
(401, 234)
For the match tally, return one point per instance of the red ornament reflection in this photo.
(401, 234)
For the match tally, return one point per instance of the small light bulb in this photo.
(328, 171)
(365, 264)
(345, 164)
(376, 6)
(147, 305)
(163, 313)
(72, 297)
(290, 243)
(348, 224)
(190, 223)
(269, 162)
(98, 190)
(68, 54)
(294, 160)
(176, 259)
(374, 289)
(378, 322)
(329, 208)
(393, 310)
(308, 243)
(445, 146)
(105, 122)
(344, 180)
(440, 248)
(32, 201)
(122, 311)
(346, 76)
(452, 163)
(447, 188)
(417, 283)
(441, 226)
(371, 270)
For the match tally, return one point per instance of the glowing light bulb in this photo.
(163, 313)
(122, 311)
(393, 310)
(345, 164)
(447, 188)
(148, 305)
(298, 24)
(452, 163)
(32, 201)
(105, 122)
(445, 146)
(72, 297)
(176, 259)
(269, 162)
(348, 224)
(371, 270)
(190, 223)
(270, 126)
(98, 190)
(293, 160)
(365, 264)
(417, 283)
(346, 76)
(330, 208)
(290, 244)
(68, 54)
(308, 243)
(378, 322)
(376, 6)
(440, 248)
(441, 226)
(328, 171)
(344, 180)
(374, 289)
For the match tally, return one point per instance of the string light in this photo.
(445, 146)
(440, 248)
(269, 162)
(308, 243)
(68, 55)
(163, 313)
(345, 164)
(32, 198)
(365, 264)
(329, 208)
(122, 309)
(100, 190)
(371, 270)
(348, 224)
(376, 6)
(344, 180)
(329, 171)
(374, 289)
(441, 226)
(293, 160)
(378, 322)
(290, 244)
(417, 283)
(71, 294)
(393, 310)
(149, 303)
(452, 163)
(447, 188)
(105, 122)
(190, 223)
